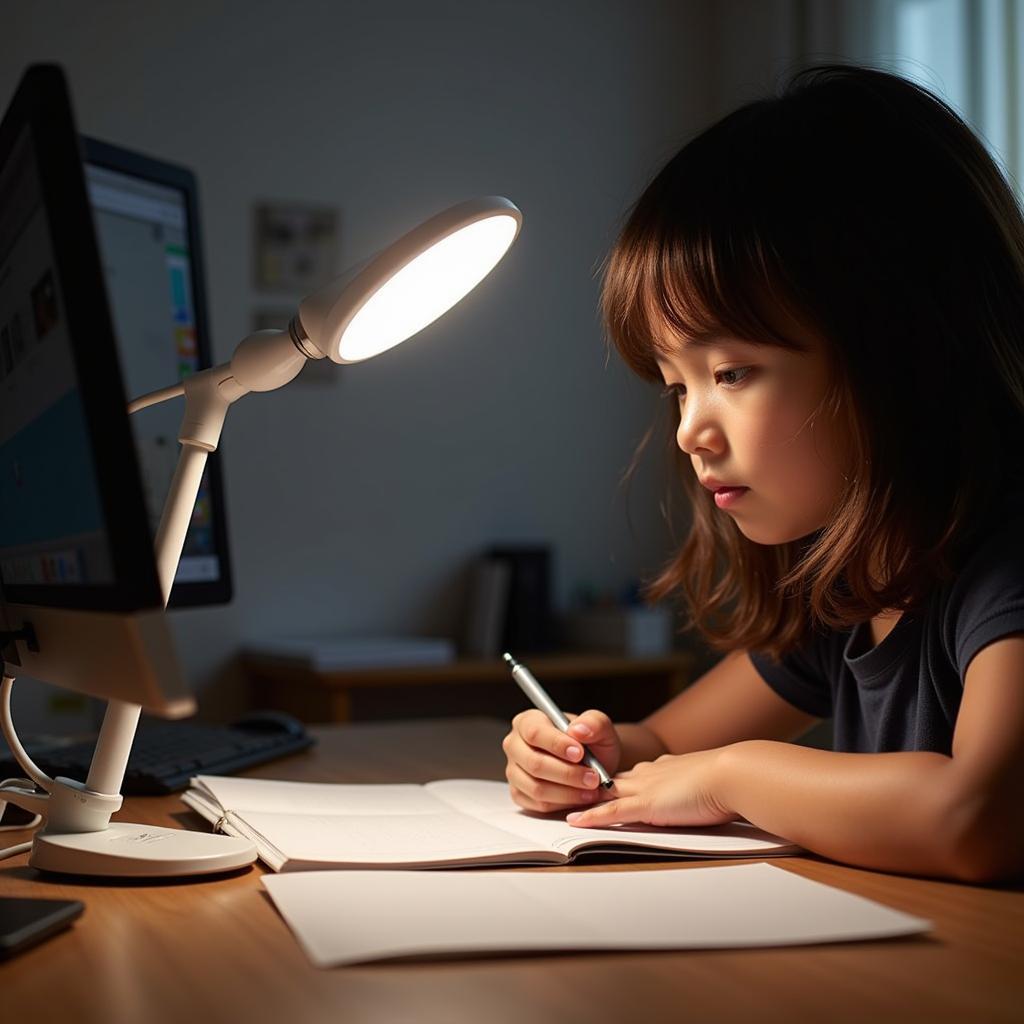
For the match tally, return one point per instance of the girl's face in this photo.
(751, 424)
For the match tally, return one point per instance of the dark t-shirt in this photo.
(904, 693)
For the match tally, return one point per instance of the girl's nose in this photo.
(698, 433)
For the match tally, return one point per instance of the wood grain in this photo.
(216, 950)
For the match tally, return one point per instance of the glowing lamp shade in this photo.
(412, 282)
(427, 286)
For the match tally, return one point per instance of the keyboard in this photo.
(165, 755)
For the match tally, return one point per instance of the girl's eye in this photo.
(730, 378)
(734, 376)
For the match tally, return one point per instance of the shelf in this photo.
(318, 695)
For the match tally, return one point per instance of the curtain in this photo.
(970, 52)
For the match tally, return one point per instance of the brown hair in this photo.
(861, 208)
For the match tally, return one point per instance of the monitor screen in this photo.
(77, 566)
(52, 526)
(73, 531)
(145, 212)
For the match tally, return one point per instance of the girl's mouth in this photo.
(726, 497)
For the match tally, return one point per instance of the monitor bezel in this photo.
(186, 593)
(42, 105)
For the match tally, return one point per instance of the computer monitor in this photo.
(76, 555)
(146, 213)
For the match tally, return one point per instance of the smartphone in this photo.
(24, 922)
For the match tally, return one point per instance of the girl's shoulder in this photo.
(993, 550)
(984, 601)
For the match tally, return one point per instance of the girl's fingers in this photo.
(535, 730)
(549, 768)
(592, 725)
(550, 793)
(596, 730)
(637, 775)
(613, 812)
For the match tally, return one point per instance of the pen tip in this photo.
(508, 659)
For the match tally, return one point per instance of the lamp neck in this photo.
(301, 339)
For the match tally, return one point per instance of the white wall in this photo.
(356, 506)
(755, 42)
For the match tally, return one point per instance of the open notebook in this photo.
(301, 826)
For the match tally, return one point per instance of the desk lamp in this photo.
(399, 292)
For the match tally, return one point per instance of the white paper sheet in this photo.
(343, 917)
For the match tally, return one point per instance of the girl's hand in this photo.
(544, 771)
(677, 789)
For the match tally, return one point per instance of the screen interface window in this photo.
(142, 229)
(51, 519)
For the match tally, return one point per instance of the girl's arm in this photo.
(914, 812)
(729, 703)
(925, 813)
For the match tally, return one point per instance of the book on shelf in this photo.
(484, 630)
(299, 826)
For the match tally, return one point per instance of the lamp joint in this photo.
(301, 339)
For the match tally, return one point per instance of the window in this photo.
(969, 52)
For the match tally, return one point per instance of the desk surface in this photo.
(215, 950)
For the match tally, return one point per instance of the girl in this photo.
(830, 286)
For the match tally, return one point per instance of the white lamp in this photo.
(398, 293)
(410, 284)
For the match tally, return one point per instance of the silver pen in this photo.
(539, 699)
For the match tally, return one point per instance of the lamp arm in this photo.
(205, 410)
(207, 397)
(262, 362)
(155, 397)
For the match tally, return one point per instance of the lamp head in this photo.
(408, 285)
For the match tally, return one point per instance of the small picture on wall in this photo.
(296, 246)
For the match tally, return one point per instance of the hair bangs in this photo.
(671, 282)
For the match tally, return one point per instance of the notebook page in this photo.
(300, 824)
(490, 801)
(342, 917)
(320, 798)
(357, 840)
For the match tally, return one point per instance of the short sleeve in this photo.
(987, 599)
(799, 677)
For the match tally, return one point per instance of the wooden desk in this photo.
(216, 950)
(315, 695)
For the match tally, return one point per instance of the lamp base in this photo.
(139, 851)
